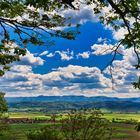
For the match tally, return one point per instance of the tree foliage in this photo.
(3, 104)
(76, 125)
(137, 127)
(122, 14)
(4, 127)
(28, 21)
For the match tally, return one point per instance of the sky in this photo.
(77, 67)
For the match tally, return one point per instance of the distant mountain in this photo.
(68, 99)
(65, 103)
(59, 106)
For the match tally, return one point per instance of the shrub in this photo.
(137, 128)
(77, 125)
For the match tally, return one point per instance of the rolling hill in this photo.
(65, 103)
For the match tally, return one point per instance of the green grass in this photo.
(34, 116)
(44, 116)
(18, 131)
(27, 115)
(124, 131)
(123, 116)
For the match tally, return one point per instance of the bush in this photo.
(43, 134)
(137, 128)
(125, 121)
(75, 126)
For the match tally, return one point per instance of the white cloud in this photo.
(118, 35)
(30, 59)
(73, 79)
(44, 53)
(103, 49)
(80, 16)
(50, 55)
(130, 56)
(65, 55)
(84, 55)
(76, 78)
(102, 40)
(70, 80)
(124, 73)
(21, 69)
(47, 54)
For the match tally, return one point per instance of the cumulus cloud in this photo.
(74, 79)
(103, 49)
(124, 73)
(102, 40)
(79, 16)
(64, 55)
(44, 53)
(21, 69)
(84, 55)
(50, 55)
(63, 78)
(30, 59)
(67, 76)
(47, 54)
(70, 80)
(119, 34)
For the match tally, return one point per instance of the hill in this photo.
(65, 103)
(68, 99)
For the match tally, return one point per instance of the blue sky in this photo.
(90, 32)
(75, 67)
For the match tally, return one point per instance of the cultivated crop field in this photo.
(28, 115)
(120, 130)
(123, 116)
(18, 131)
(108, 116)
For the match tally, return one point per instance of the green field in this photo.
(121, 130)
(47, 116)
(18, 131)
(28, 115)
(123, 116)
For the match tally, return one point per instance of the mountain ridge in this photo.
(70, 98)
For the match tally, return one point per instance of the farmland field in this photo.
(123, 116)
(121, 130)
(27, 115)
(18, 131)
(47, 116)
